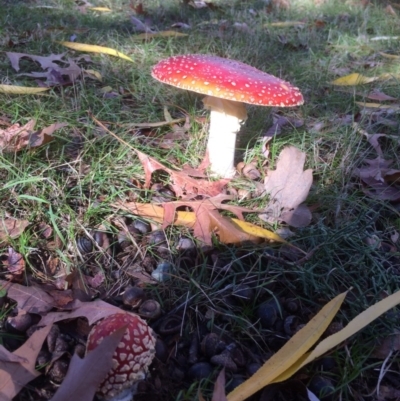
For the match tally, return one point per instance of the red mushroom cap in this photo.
(133, 355)
(226, 79)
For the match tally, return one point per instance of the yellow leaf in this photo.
(290, 353)
(257, 231)
(100, 9)
(94, 74)
(83, 47)
(391, 56)
(358, 323)
(106, 89)
(379, 105)
(157, 124)
(20, 90)
(162, 34)
(354, 79)
(188, 219)
(284, 24)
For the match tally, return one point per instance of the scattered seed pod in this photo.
(333, 328)
(292, 305)
(252, 368)
(150, 309)
(84, 245)
(238, 357)
(161, 350)
(244, 194)
(61, 345)
(185, 244)
(322, 387)
(157, 237)
(268, 314)
(52, 338)
(80, 350)
(290, 325)
(240, 166)
(44, 358)
(225, 360)
(19, 324)
(141, 226)
(243, 292)
(162, 272)
(162, 193)
(193, 349)
(200, 370)
(170, 325)
(177, 372)
(250, 171)
(235, 381)
(327, 363)
(149, 264)
(58, 371)
(133, 297)
(123, 240)
(212, 345)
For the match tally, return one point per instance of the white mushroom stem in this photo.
(226, 119)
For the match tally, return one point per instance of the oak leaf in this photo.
(14, 375)
(30, 299)
(181, 182)
(11, 228)
(288, 187)
(94, 368)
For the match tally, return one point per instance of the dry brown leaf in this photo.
(182, 184)
(56, 76)
(11, 228)
(16, 138)
(15, 262)
(229, 230)
(15, 375)
(387, 346)
(44, 61)
(219, 387)
(7, 356)
(379, 95)
(30, 299)
(140, 26)
(390, 10)
(206, 222)
(377, 176)
(288, 186)
(94, 368)
(92, 311)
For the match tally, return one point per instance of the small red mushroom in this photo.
(131, 358)
(228, 84)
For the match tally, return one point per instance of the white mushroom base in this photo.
(226, 119)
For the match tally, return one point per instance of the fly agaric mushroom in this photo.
(228, 84)
(131, 358)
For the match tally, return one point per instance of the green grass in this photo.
(70, 183)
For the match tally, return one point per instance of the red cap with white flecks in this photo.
(226, 79)
(132, 356)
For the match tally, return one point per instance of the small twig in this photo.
(101, 125)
